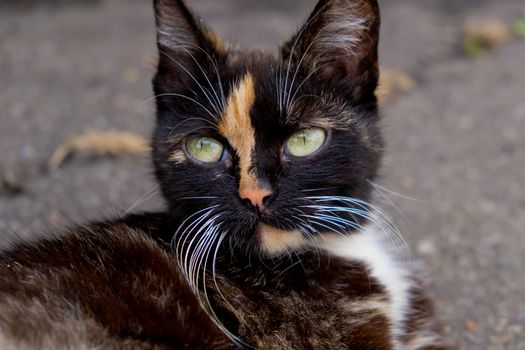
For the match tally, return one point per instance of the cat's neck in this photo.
(383, 260)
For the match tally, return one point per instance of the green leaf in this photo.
(518, 28)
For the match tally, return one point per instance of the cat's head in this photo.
(268, 149)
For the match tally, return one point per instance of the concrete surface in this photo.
(454, 170)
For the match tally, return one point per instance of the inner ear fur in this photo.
(338, 46)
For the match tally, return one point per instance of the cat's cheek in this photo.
(274, 241)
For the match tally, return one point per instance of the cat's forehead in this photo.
(269, 89)
(260, 66)
(255, 58)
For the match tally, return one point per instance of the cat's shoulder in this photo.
(409, 309)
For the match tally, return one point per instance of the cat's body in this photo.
(113, 285)
(266, 162)
(116, 285)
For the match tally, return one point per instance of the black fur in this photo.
(346, 165)
(197, 277)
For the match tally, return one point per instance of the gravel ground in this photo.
(453, 177)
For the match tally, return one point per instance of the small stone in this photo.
(131, 75)
(426, 247)
(502, 324)
(499, 340)
(471, 326)
(516, 329)
(10, 183)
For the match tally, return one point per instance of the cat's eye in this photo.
(205, 149)
(305, 142)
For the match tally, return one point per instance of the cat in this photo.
(266, 161)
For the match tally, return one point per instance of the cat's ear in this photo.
(337, 46)
(185, 46)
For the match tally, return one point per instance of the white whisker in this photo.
(298, 66)
(218, 100)
(204, 90)
(196, 197)
(362, 209)
(147, 196)
(303, 29)
(185, 97)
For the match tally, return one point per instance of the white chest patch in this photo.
(370, 248)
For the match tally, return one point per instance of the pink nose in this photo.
(254, 193)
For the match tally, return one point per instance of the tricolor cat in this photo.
(266, 161)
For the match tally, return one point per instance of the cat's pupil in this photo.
(303, 138)
(306, 142)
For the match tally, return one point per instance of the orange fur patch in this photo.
(178, 157)
(275, 241)
(236, 126)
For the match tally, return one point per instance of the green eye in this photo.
(305, 142)
(205, 149)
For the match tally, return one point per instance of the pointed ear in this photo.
(338, 46)
(185, 46)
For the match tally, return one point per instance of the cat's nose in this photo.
(257, 194)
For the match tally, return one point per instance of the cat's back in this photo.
(348, 292)
(109, 286)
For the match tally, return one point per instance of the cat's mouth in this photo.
(274, 241)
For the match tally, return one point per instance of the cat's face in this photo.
(259, 148)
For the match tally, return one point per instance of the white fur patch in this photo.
(369, 247)
(344, 32)
(173, 29)
(347, 24)
(425, 339)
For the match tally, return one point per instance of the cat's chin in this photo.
(274, 241)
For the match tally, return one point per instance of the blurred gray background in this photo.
(453, 176)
